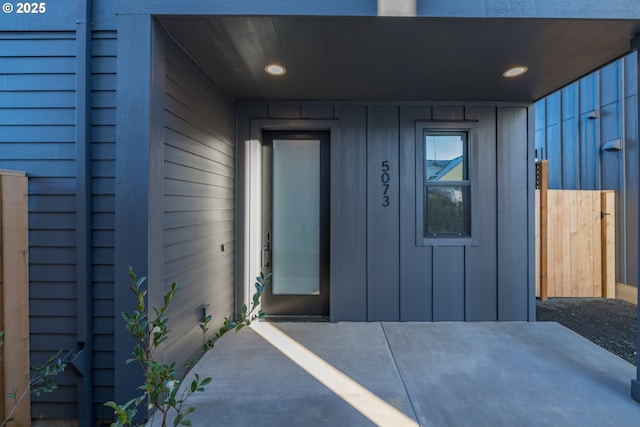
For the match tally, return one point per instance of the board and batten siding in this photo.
(377, 270)
(571, 126)
(199, 186)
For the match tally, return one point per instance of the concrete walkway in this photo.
(410, 374)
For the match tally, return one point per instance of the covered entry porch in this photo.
(379, 78)
(413, 374)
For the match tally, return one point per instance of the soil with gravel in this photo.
(612, 324)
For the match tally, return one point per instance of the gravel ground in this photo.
(612, 324)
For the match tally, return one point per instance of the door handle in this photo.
(266, 251)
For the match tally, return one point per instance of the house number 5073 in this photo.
(384, 179)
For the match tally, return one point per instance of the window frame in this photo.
(471, 129)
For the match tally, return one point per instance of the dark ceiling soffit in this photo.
(398, 59)
(635, 42)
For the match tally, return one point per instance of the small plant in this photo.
(43, 380)
(244, 318)
(161, 389)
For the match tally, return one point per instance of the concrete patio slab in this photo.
(428, 374)
(511, 374)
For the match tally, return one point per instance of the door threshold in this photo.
(292, 318)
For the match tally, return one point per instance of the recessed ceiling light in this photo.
(515, 71)
(275, 69)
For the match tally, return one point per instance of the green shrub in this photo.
(162, 390)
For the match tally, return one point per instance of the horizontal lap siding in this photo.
(199, 185)
(103, 137)
(37, 135)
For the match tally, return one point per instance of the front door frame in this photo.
(252, 254)
(298, 305)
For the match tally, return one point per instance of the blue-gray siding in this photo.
(103, 140)
(395, 280)
(37, 116)
(570, 128)
(377, 270)
(199, 186)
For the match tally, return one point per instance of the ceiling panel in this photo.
(371, 58)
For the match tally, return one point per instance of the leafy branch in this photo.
(161, 389)
(242, 319)
(43, 380)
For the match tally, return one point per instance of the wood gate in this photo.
(575, 241)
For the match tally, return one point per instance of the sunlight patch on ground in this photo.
(368, 404)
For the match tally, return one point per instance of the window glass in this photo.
(446, 211)
(447, 185)
(445, 156)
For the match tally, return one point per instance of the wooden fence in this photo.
(14, 294)
(575, 241)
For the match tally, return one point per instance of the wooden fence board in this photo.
(583, 240)
(596, 227)
(537, 242)
(551, 246)
(608, 244)
(542, 183)
(573, 241)
(576, 253)
(14, 307)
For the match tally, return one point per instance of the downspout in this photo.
(80, 359)
(635, 384)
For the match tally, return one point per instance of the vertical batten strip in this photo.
(132, 185)
(82, 360)
(544, 230)
(635, 384)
